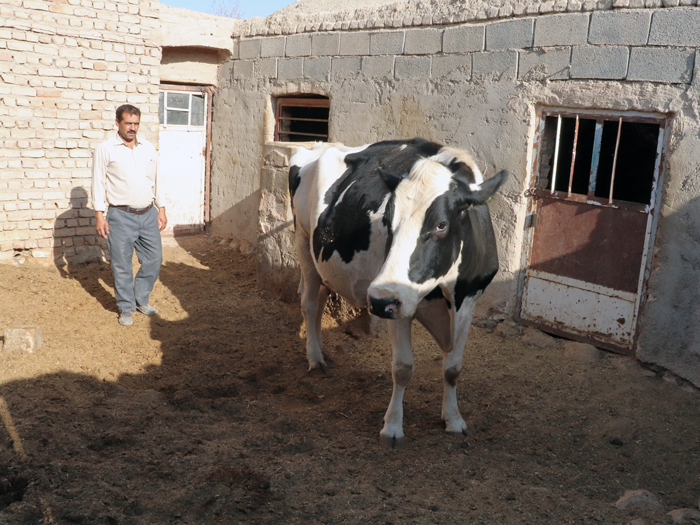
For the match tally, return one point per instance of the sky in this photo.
(249, 8)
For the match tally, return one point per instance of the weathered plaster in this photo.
(485, 101)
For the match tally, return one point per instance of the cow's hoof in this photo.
(391, 442)
(330, 362)
(456, 430)
(318, 370)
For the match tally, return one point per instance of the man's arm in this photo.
(98, 192)
(102, 227)
(162, 218)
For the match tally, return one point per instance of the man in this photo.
(129, 205)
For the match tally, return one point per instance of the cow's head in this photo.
(430, 214)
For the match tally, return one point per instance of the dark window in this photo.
(583, 154)
(302, 119)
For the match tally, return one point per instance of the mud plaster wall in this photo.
(476, 84)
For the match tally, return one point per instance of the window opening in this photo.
(301, 119)
(181, 109)
(604, 159)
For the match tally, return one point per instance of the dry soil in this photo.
(205, 414)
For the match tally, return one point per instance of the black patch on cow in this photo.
(294, 179)
(449, 222)
(344, 226)
(461, 170)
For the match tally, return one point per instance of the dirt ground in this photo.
(205, 414)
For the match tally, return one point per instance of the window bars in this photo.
(300, 119)
(605, 158)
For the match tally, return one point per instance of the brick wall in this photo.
(65, 66)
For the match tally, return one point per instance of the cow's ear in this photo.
(390, 179)
(482, 193)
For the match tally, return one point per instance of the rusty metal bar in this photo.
(573, 157)
(614, 166)
(556, 153)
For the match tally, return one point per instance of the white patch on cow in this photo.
(340, 199)
(447, 155)
(426, 181)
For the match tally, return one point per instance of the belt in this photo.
(137, 211)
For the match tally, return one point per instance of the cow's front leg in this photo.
(452, 366)
(402, 372)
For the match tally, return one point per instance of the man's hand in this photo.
(102, 227)
(162, 219)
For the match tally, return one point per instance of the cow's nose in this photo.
(386, 307)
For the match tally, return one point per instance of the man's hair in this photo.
(129, 110)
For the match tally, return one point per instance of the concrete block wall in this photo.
(473, 77)
(65, 67)
(651, 45)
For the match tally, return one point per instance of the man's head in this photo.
(128, 120)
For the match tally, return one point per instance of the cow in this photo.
(401, 227)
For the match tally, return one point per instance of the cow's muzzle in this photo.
(386, 307)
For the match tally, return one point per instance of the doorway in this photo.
(591, 224)
(184, 114)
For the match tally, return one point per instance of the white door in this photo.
(182, 158)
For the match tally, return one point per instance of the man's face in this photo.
(128, 127)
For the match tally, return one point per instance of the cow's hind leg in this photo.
(402, 372)
(313, 300)
(452, 366)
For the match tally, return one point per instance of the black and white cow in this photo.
(401, 227)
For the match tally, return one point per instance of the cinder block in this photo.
(453, 67)
(627, 28)
(423, 41)
(569, 29)
(317, 68)
(249, 48)
(411, 67)
(378, 67)
(604, 62)
(266, 68)
(242, 69)
(675, 27)
(24, 339)
(354, 44)
(514, 34)
(496, 65)
(326, 44)
(346, 65)
(463, 39)
(668, 65)
(272, 47)
(552, 64)
(386, 43)
(299, 45)
(290, 68)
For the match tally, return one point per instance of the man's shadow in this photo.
(77, 246)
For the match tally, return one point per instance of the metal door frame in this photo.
(540, 114)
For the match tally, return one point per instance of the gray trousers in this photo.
(129, 232)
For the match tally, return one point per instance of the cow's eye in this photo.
(440, 230)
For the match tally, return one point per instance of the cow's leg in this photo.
(452, 366)
(402, 372)
(313, 300)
